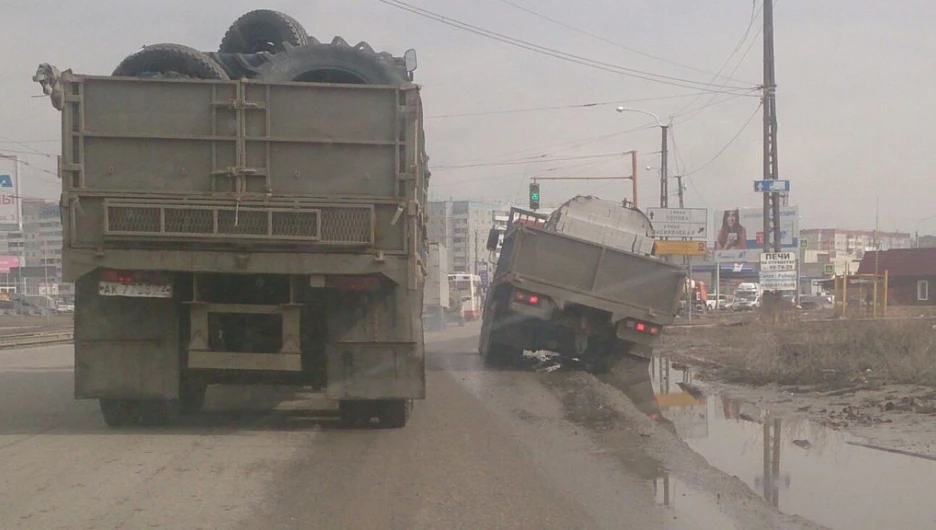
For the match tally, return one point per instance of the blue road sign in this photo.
(771, 186)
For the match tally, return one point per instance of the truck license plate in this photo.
(139, 290)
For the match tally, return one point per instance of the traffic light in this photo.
(534, 196)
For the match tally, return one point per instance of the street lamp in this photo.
(917, 232)
(664, 185)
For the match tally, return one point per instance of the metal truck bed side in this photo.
(578, 271)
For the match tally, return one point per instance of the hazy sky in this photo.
(854, 78)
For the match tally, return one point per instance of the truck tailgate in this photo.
(590, 269)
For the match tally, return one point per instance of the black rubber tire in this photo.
(332, 63)
(159, 412)
(263, 30)
(191, 397)
(170, 60)
(496, 354)
(119, 412)
(393, 413)
(355, 413)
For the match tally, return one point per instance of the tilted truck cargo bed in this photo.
(575, 271)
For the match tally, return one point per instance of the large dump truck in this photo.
(581, 282)
(252, 231)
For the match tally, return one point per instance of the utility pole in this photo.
(633, 176)
(771, 200)
(664, 181)
(679, 183)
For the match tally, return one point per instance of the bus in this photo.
(469, 286)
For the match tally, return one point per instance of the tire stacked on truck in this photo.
(268, 46)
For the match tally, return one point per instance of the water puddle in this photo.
(799, 466)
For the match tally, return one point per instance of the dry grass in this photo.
(802, 352)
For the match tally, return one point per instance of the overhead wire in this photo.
(730, 142)
(29, 165)
(565, 146)
(747, 32)
(744, 93)
(555, 53)
(607, 40)
(531, 160)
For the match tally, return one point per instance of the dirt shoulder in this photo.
(874, 379)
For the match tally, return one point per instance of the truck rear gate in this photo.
(317, 189)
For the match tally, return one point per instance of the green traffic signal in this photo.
(534, 196)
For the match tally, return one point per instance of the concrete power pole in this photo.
(771, 200)
(664, 176)
(679, 183)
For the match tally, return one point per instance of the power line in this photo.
(747, 32)
(27, 164)
(572, 144)
(735, 137)
(531, 160)
(737, 65)
(552, 52)
(569, 106)
(609, 41)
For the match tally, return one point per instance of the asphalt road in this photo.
(498, 450)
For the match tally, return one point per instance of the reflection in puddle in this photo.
(799, 466)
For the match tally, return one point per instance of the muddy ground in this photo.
(889, 405)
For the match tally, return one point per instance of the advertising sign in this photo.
(9, 194)
(680, 248)
(679, 222)
(778, 262)
(7, 263)
(743, 229)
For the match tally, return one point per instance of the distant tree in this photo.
(927, 241)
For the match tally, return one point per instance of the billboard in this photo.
(741, 229)
(9, 194)
(7, 263)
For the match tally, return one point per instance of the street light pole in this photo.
(664, 151)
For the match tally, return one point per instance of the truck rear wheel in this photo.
(119, 412)
(496, 354)
(159, 412)
(390, 413)
(191, 397)
(393, 413)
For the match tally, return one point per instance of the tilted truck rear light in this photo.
(642, 327)
(528, 298)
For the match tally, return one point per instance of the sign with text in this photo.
(679, 222)
(777, 261)
(680, 248)
(772, 186)
(778, 281)
(9, 194)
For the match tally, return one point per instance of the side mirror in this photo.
(409, 60)
(493, 239)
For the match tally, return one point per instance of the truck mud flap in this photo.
(375, 370)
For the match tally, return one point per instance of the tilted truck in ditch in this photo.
(267, 229)
(581, 282)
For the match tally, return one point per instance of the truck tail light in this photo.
(527, 298)
(353, 282)
(643, 327)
